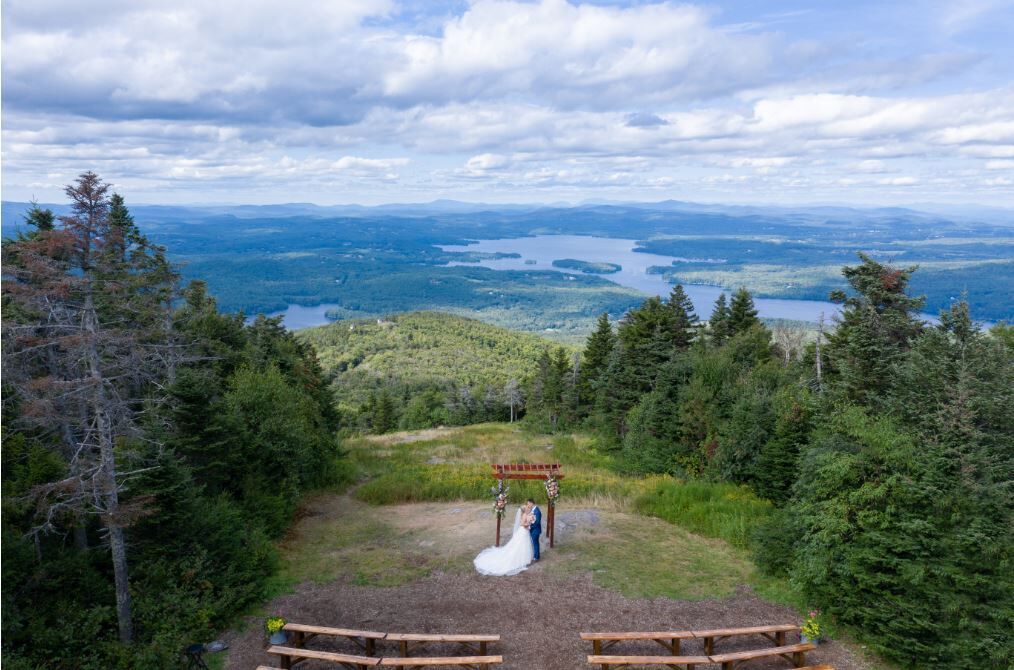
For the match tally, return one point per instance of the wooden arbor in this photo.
(531, 471)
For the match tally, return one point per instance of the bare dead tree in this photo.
(87, 346)
(789, 342)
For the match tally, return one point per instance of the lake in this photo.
(539, 252)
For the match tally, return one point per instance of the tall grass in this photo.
(468, 481)
(723, 511)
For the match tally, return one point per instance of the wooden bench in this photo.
(795, 653)
(365, 639)
(670, 640)
(774, 633)
(482, 662)
(470, 642)
(287, 655)
(687, 662)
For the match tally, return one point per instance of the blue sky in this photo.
(370, 101)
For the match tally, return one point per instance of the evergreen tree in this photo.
(718, 325)
(41, 220)
(383, 413)
(875, 329)
(742, 313)
(683, 320)
(595, 360)
(645, 334)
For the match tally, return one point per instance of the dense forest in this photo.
(425, 369)
(153, 449)
(888, 448)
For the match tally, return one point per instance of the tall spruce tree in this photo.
(875, 328)
(595, 360)
(683, 320)
(718, 324)
(742, 313)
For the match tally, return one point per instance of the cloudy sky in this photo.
(368, 101)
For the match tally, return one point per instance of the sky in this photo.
(372, 101)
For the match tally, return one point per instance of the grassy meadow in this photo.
(423, 504)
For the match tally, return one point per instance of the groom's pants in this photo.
(535, 542)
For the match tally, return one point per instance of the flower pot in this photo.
(281, 637)
(804, 639)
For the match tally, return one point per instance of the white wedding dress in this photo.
(511, 558)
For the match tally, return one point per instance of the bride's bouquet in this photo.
(500, 498)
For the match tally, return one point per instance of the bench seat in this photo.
(473, 642)
(795, 652)
(775, 633)
(426, 637)
(338, 632)
(673, 661)
(364, 639)
(465, 661)
(668, 639)
(660, 635)
(348, 660)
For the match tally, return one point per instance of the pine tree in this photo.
(875, 329)
(594, 361)
(718, 324)
(384, 419)
(742, 314)
(41, 220)
(683, 320)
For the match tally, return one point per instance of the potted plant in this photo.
(274, 626)
(810, 630)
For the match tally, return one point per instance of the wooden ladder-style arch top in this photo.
(531, 471)
(527, 470)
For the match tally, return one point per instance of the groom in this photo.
(536, 528)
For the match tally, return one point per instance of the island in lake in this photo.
(598, 268)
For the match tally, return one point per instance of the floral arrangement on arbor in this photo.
(811, 627)
(500, 492)
(552, 489)
(273, 624)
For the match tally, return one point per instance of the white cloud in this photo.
(357, 163)
(256, 97)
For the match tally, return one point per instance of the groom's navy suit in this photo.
(535, 530)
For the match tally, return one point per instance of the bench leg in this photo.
(597, 647)
(404, 648)
(676, 647)
(286, 662)
(482, 648)
(371, 646)
(780, 639)
(798, 659)
(709, 646)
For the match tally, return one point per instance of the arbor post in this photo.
(497, 530)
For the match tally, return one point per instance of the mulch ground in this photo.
(537, 615)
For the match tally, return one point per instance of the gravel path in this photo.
(538, 616)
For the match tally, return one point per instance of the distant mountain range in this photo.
(13, 211)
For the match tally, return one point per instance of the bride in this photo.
(513, 557)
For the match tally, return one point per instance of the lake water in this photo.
(539, 252)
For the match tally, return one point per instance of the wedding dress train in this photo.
(511, 558)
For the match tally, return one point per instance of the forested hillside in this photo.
(425, 369)
(153, 448)
(887, 447)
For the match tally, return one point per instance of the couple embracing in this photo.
(520, 551)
